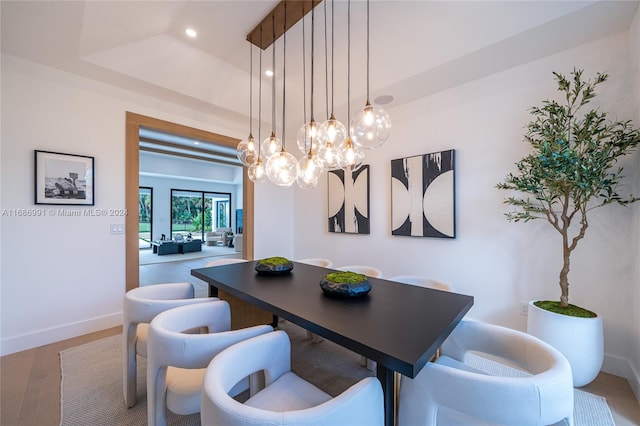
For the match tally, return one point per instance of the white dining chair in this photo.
(179, 354)
(421, 281)
(285, 399)
(369, 271)
(317, 261)
(453, 390)
(140, 306)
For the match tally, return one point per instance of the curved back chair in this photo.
(369, 271)
(177, 358)
(219, 262)
(454, 390)
(141, 305)
(317, 261)
(421, 281)
(286, 399)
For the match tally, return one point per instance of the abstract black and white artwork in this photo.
(423, 196)
(349, 201)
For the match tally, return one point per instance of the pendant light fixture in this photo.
(350, 156)
(247, 148)
(371, 126)
(309, 169)
(272, 144)
(282, 167)
(256, 171)
(332, 132)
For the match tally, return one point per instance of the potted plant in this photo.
(570, 171)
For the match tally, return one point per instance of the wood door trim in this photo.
(132, 181)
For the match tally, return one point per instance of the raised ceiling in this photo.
(417, 47)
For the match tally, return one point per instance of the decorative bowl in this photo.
(345, 284)
(274, 266)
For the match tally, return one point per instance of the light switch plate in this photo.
(117, 229)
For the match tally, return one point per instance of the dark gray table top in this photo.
(397, 325)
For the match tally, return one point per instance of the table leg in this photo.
(387, 379)
(213, 291)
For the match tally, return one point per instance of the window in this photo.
(198, 212)
(145, 213)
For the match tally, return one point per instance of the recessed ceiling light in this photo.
(191, 32)
(268, 73)
(384, 99)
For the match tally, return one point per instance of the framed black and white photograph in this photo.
(63, 179)
(349, 201)
(423, 195)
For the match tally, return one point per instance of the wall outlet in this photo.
(524, 308)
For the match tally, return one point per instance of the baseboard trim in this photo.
(621, 367)
(55, 334)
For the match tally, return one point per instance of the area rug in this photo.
(91, 385)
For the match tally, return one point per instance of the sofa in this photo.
(218, 235)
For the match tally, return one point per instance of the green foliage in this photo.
(573, 156)
(570, 310)
(274, 261)
(346, 277)
(572, 167)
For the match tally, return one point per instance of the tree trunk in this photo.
(564, 272)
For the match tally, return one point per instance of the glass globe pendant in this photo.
(350, 156)
(328, 156)
(333, 131)
(309, 170)
(256, 171)
(370, 127)
(271, 145)
(246, 151)
(308, 136)
(282, 168)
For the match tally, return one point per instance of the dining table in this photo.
(399, 326)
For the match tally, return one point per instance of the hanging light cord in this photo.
(349, 62)
(250, 89)
(304, 70)
(284, 73)
(273, 81)
(367, 51)
(326, 64)
(260, 99)
(312, 43)
(332, 45)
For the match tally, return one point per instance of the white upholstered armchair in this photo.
(451, 392)
(286, 399)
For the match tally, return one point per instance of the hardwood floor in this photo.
(30, 380)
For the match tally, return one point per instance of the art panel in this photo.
(349, 201)
(423, 195)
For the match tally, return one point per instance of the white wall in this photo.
(65, 276)
(500, 263)
(634, 55)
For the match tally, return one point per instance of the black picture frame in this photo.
(63, 179)
(423, 195)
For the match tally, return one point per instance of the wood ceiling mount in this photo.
(296, 10)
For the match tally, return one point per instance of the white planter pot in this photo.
(581, 340)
